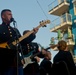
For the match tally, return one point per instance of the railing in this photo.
(73, 0)
(64, 18)
(56, 3)
(55, 23)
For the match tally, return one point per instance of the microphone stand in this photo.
(18, 46)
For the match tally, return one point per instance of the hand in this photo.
(22, 61)
(35, 30)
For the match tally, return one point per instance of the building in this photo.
(65, 24)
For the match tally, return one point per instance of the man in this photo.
(30, 49)
(8, 57)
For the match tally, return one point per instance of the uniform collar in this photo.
(5, 24)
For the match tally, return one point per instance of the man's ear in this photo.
(66, 48)
(2, 16)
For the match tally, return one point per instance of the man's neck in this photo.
(6, 23)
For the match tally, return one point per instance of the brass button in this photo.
(9, 29)
(10, 35)
(4, 33)
(10, 32)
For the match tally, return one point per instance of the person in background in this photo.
(46, 64)
(10, 61)
(64, 55)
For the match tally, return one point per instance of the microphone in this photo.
(12, 20)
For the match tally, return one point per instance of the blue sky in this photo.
(28, 14)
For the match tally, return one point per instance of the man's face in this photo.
(6, 17)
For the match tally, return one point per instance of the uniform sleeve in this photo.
(29, 39)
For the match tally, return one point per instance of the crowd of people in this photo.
(14, 48)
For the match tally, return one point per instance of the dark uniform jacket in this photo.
(46, 67)
(67, 58)
(9, 34)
